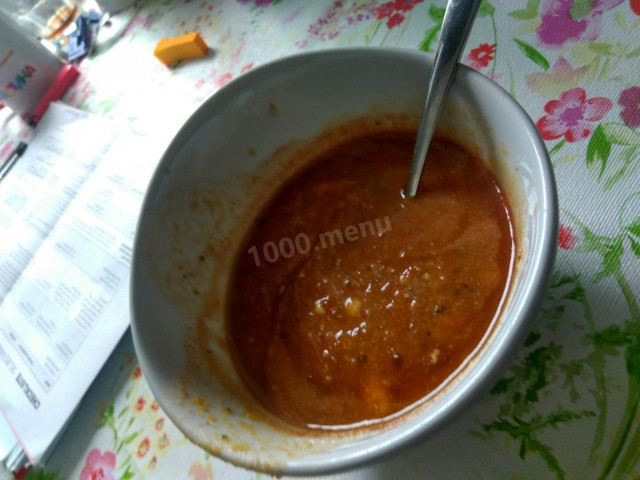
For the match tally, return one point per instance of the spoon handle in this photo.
(458, 19)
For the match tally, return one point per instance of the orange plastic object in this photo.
(170, 50)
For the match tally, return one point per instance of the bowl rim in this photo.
(495, 359)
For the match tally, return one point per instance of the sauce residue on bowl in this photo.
(349, 302)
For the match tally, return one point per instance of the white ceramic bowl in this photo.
(213, 177)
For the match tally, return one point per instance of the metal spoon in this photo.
(458, 19)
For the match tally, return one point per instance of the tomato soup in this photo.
(349, 302)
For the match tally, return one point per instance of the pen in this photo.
(63, 81)
(17, 153)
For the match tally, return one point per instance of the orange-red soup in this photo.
(354, 330)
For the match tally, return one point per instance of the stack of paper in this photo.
(68, 212)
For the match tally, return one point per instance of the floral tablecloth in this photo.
(569, 405)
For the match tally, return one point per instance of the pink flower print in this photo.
(405, 5)
(559, 26)
(630, 102)
(292, 16)
(152, 463)
(572, 115)
(566, 239)
(143, 447)
(247, 67)
(394, 11)
(148, 22)
(140, 404)
(385, 10)
(137, 373)
(98, 466)
(223, 79)
(198, 471)
(395, 20)
(258, 3)
(338, 16)
(138, 21)
(163, 442)
(154, 405)
(159, 424)
(481, 56)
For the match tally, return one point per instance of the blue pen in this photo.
(17, 153)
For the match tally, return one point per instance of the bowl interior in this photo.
(215, 175)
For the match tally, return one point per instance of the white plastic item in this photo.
(27, 69)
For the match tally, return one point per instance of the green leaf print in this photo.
(634, 227)
(436, 14)
(633, 53)
(620, 19)
(532, 54)
(598, 151)
(130, 438)
(39, 473)
(527, 381)
(580, 9)
(126, 441)
(635, 247)
(107, 417)
(558, 281)
(547, 455)
(610, 339)
(430, 37)
(532, 338)
(624, 450)
(127, 474)
(526, 432)
(627, 157)
(557, 147)
(604, 342)
(632, 358)
(486, 9)
(572, 370)
(610, 248)
(608, 49)
(527, 13)
(523, 380)
(620, 134)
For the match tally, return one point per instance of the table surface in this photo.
(567, 405)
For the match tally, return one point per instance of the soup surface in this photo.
(349, 302)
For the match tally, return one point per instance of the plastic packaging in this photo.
(27, 69)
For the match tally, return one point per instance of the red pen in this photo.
(63, 81)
